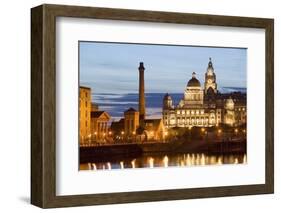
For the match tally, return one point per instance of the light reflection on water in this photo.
(156, 161)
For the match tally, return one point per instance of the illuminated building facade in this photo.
(205, 106)
(93, 124)
(131, 119)
(84, 113)
(99, 125)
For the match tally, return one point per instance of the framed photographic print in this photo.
(136, 106)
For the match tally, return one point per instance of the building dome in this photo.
(193, 82)
(167, 102)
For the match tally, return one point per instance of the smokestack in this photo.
(141, 94)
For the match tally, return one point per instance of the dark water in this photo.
(116, 104)
(166, 160)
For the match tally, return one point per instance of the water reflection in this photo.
(179, 160)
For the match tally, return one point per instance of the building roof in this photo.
(84, 87)
(193, 82)
(131, 109)
(97, 114)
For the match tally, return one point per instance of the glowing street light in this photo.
(219, 131)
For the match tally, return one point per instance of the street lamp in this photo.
(219, 131)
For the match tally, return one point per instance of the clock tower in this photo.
(210, 79)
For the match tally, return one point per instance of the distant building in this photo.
(205, 106)
(84, 113)
(154, 129)
(99, 125)
(131, 120)
(117, 128)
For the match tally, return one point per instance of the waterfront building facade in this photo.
(204, 106)
(84, 113)
(99, 125)
(131, 122)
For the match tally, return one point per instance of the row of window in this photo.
(190, 118)
(194, 97)
(192, 112)
(192, 122)
(240, 109)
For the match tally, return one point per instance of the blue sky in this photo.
(113, 67)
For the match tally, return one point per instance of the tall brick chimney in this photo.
(141, 95)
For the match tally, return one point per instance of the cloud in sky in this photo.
(113, 67)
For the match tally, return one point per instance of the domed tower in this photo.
(210, 87)
(193, 94)
(167, 102)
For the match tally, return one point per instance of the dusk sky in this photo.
(113, 67)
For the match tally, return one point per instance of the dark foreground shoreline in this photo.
(104, 153)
